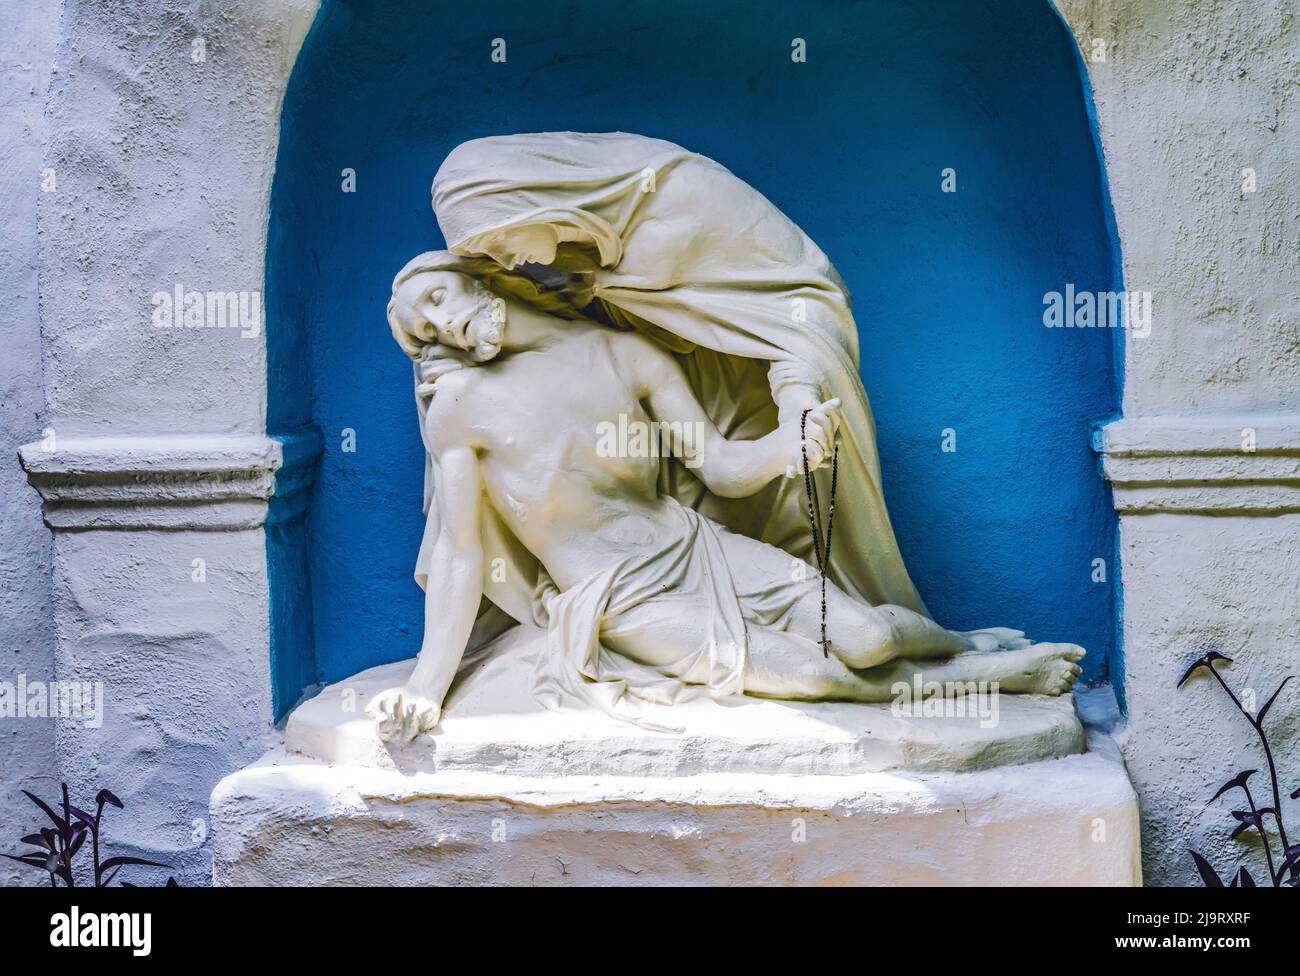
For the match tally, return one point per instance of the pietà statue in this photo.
(612, 282)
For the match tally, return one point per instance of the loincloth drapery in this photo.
(650, 593)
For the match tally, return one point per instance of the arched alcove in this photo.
(851, 144)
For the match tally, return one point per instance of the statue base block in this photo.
(289, 820)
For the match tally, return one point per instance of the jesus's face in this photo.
(452, 309)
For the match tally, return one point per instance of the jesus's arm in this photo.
(451, 598)
(455, 583)
(730, 468)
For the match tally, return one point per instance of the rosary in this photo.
(814, 515)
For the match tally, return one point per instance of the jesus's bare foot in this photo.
(401, 714)
(1040, 669)
(994, 639)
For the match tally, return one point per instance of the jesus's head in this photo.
(447, 307)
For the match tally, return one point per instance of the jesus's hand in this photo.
(435, 362)
(401, 714)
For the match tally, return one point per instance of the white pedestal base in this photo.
(752, 792)
(290, 820)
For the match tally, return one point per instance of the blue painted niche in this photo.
(851, 144)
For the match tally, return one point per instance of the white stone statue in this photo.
(609, 435)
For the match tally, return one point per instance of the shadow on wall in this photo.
(852, 144)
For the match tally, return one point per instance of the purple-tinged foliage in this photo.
(1287, 872)
(57, 846)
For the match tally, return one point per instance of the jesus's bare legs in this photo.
(866, 638)
(871, 648)
(786, 665)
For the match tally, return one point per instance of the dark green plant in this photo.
(1286, 869)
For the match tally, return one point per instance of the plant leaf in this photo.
(36, 840)
(116, 861)
(105, 796)
(1290, 859)
(1272, 698)
(1255, 816)
(1204, 661)
(78, 838)
(1248, 819)
(1237, 781)
(83, 816)
(36, 859)
(1208, 875)
(58, 821)
(1244, 877)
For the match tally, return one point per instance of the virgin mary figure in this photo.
(643, 234)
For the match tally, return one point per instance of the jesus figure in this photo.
(641, 596)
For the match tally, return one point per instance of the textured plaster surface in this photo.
(164, 166)
(186, 695)
(1190, 95)
(163, 162)
(29, 32)
(1231, 583)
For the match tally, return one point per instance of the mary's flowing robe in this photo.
(689, 254)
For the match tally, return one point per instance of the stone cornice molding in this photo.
(214, 482)
(293, 479)
(1225, 464)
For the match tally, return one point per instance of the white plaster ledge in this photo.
(203, 482)
(289, 820)
(1225, 464)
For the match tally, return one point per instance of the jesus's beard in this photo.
(485, 330)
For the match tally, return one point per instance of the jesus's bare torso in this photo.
(577, 511)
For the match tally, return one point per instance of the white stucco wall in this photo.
(1191, 94)
(30, 31)
(160, 126)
